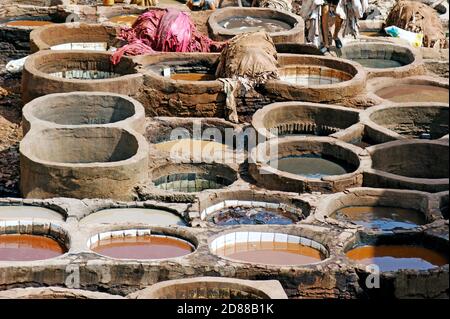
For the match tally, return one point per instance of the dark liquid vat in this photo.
(142, 247)
(244, 23)
(28, 247)
(414, 93)
(253, 216)
(312, 166)
(395, 257)
(271, 253)
(378, 63)
(28, 23)
(193, 76)
(382, 218)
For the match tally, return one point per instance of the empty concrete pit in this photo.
(303, 119)
(299, 164)
(281, 25)
(192, 178)
(82, 109)
(315, 79)
(228, 208)
(156, 216)
(415, 164)
(28, 240)
(50, 71)
(268, 248)
(79, 162)
(29, 212)
(406, 121)
(212, 288)
(385, 59)
(377, 209)
(139, 244)
(202, 140)
(413, 89)
(182, 85)
(419, 259)
(84, 36)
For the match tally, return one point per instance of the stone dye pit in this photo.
(392, 254)
(407, 121)
(268, 248)
(384, 59)
(191, 178)
(412, 90)
(149, 216)
(139, 244)
(281, 25)
(212, 288)
(66, 37)
(302, 119)
(126, 20)
(28, 212)
(307, 164)
(67, 71)
(416, 164)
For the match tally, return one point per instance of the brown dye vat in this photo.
(271, 253)
(27, 23)
(193, 77)
(414, 93)
(28, 247)
(396, 257)
(142, 247)
(312, 75)
(127, 20)
(383, 218)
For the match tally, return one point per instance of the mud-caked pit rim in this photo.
(124, 231)
(54, 292)
(54, 230)
(34, 137)
(247, 233)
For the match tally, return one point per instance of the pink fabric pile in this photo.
(167, 30)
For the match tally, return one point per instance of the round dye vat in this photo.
(192, 147)
(253, 216)
(246, 23)
(134, 215)
(193, 77)
(396, 257)
(28, 212)
(382, 218)
(379, 63)
(142, 247)
(28, 247)
(414, 93)
(127, 20)
(312, 75)
(27, 23)
(311, 166)
(271, 253)
(191, 182)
